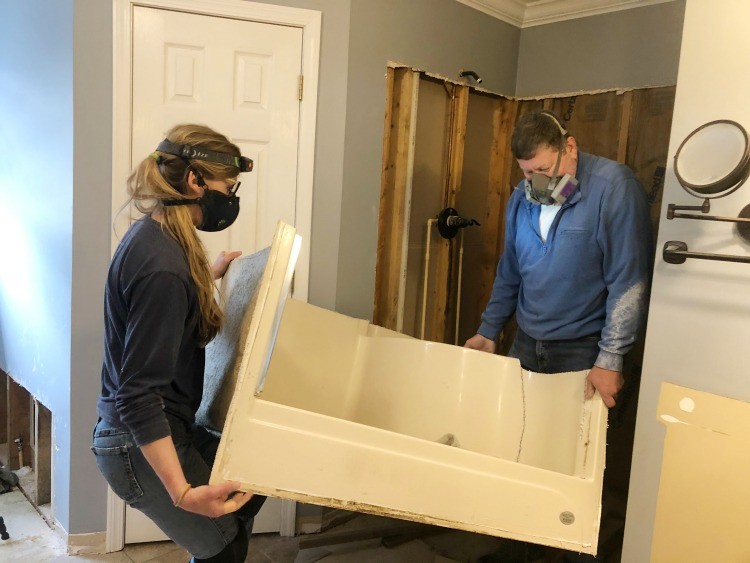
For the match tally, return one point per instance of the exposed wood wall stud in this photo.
(42, 454)
(395, 193)
(18, 423)
(440, 320)
(622, 141)
(499, 189)
(3, 409)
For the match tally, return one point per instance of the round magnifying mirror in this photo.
(714, 160)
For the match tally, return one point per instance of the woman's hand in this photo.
(214, 500)
(222, 262)
(208, 500)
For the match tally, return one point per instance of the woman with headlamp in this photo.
(160, 313)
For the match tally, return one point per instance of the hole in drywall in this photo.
(26, 440)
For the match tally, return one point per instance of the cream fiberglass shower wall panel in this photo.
(383, 421)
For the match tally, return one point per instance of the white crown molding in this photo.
(509, 11)
(529, 13)
(540, 12)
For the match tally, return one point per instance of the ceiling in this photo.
(528, 13)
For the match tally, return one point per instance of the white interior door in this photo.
(242, 79)
(238, 77)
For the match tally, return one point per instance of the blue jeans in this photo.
(132, 478)
(555, 356)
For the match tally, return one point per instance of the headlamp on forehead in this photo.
(190, 152)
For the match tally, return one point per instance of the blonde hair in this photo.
(163, 176)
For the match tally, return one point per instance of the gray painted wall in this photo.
(92, 227)
(440, 36)
(36, 216)
(626, 49)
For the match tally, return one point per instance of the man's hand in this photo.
(479, 342)
(607, 382)
(213, 501)
(222, 262)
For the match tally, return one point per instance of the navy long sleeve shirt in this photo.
(153, 362)
(592, 273)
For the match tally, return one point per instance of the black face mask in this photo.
(219, 210)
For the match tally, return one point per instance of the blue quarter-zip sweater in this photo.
(591, 275)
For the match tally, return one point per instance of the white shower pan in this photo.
(330, 410)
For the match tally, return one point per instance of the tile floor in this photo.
(358, 540)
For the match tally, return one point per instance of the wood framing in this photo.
(622, 140)
(650, 127)
(19, 426)
(27, 420)
(498, 192)
(594, 121)
(441, 318)
(395, 194)
(3, 409)
(42, 459)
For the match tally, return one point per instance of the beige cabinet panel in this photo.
(331, 410)
(703, 504)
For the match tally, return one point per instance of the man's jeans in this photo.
(555, 356)
(132, 479)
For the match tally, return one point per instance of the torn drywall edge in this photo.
(707, 411)
(457, 82)
(618, 91)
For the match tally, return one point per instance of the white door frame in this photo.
(310, 23)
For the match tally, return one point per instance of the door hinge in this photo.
(301, 82)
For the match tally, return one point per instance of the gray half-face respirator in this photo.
(552, 190)
(549, 191)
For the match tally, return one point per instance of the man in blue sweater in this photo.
(576, 263)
